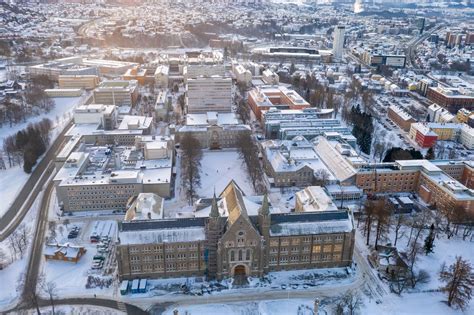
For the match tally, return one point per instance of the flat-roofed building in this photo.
(400, 117)
(104, 115)
(265, 97)
(136, 73)
(120, 93)
(162, 76)
(467, 137)
(86, 82)
(105, 177)
(426, 179)
(423, 135)
(209, 94)
(453, 99)
(63, 92)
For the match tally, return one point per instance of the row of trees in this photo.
(33, 102)
(248, 151)
(362, 128)
(28, 144)
(191, 154)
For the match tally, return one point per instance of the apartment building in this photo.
(209, 94)
(400, 117)
(269, 77)
(463, 115)
(467, 137)
(162, 76)
(265, 97)
(235, 236)
(242, 75)
(87, 82)
(423, 135)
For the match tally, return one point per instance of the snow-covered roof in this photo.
(314, 227)
(175, 235)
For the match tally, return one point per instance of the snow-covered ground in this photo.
(13, 179)
(11, 273)
(269, 307)
(218, 168)
(77, 310)
(293, 281)
(422, 299)
(71, 278)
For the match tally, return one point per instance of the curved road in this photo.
(22, 203)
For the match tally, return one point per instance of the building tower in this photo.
(213, 234)
(264, 221)
(338, 44)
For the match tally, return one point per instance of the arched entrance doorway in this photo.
(240, 275)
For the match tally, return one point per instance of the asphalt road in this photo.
(35, 262)
(28, 194)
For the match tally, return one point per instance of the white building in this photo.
(242, 75)
(338, 44)
(104, 115)
(467, 137)
(162, 76)
(209, 94)
(270, 77)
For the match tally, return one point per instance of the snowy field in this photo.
(13, 179)
(77, 310)
(71, 278)
(270, 307)
(12, 272)
(422, 299)
(218, 168)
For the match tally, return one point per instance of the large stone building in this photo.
(235, 236)
(214, 130)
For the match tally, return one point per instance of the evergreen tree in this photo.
(429, 241)
(430, 154)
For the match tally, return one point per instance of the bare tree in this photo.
(50, 288)
(459, 280)
(422, 276)
(66, 222)
(382, 216)
(190, 165)
(248, 151)
(321, 177)
(398, 220)
(28, 287)
(352, 301)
